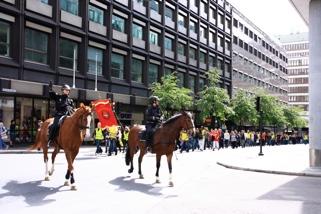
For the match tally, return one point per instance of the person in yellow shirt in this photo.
(125, 138)
(183, 138)
(113, 134)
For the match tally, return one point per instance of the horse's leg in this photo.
(70, 167)
(72, 179)
(169, 161)
(45, 158)
(129, 159)
(53, 157)
(140, 159)
(158, 160)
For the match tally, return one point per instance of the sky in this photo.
(274, 17)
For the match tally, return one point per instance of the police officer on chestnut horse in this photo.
(153, 119)
(64, 105)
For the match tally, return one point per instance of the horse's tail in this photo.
(127, 157)
(37, 143)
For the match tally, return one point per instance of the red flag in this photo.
(105, 113)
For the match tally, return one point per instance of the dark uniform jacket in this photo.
(153, 115)
(64, 104)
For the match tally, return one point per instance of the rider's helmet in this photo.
(65, 87)
(153, 99)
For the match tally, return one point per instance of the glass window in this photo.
(167, 71)
(71, 6)
(227, 70)
(153, 38)
(213, 37)
(201, 84)
(137, 31)
(137, 70)
(227, 45)
(202, 57)
(36, 46)
(192, 53)
(68, 50)
(45, 1)
(213, 13)
(152, 73)
(24, 118)
(96, 14)
(192, 26)
(181, 20)
(203, 5)
(191, 83)
(220, 41)
(4, 39)
(117, 65)
(203, 32)
(154, 5)
(181, 49)
(168, 43)
(118, 24)
(211, 61)
(180, 79)
(95, 54)
(169, 12)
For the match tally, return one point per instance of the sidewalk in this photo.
(285, 160)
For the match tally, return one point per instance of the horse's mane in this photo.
(172, 119)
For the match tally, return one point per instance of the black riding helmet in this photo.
(153, 99)
(65, 87)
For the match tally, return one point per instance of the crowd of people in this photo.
(216, 139)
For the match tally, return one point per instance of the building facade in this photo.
(258, 62)
(125, 45)
(297, 49)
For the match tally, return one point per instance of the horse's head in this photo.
(83, 112)
(188, 122)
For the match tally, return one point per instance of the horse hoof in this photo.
(73, 188)
(141, 176)
(171, 184)
(130, 170)
(157, 181)
(47, 178)
(66, 183)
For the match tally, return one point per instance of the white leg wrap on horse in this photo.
(170, 177)
(52, 168)
(46, 166)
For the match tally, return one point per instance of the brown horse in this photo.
(70, 137)
(163, 142)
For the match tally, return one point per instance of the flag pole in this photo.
(96, 75)
(74, 70)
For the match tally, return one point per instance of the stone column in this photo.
(315, 83)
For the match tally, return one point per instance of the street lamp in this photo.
(258, 109)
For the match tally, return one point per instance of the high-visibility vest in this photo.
(126, 135)
(99, 134)
(183, 136)
(113, 131)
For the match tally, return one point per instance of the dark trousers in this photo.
(54, 129)
(149, 133)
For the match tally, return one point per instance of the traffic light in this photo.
(258, 104)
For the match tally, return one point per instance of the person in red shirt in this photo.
(216, 139)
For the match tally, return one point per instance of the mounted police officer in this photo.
(63, 105)
(153, 118)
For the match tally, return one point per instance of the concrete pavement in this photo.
(201, 186)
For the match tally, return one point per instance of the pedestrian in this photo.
(12, 132)
(216, 138)
(226, 138)
(125, 138)
(113, 135)
(3, 136)
(99, 138)
(183, 138)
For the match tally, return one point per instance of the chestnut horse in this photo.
(70, 137)
(163, 142)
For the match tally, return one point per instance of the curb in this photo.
(270, 171)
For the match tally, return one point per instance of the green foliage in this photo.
(293, 117)
(171, 96)
(243, 106)
(214, 101)
(272, 111)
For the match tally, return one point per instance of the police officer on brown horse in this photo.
(153, 119)
(64, 105)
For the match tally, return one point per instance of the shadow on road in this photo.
(303, 189)
(125, 184)
(33, 193)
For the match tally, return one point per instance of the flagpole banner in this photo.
(105, 113)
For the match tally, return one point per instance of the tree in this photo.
(272, 111)
(214, 101)
(243, 106)
(171, 96)
(293, 117)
